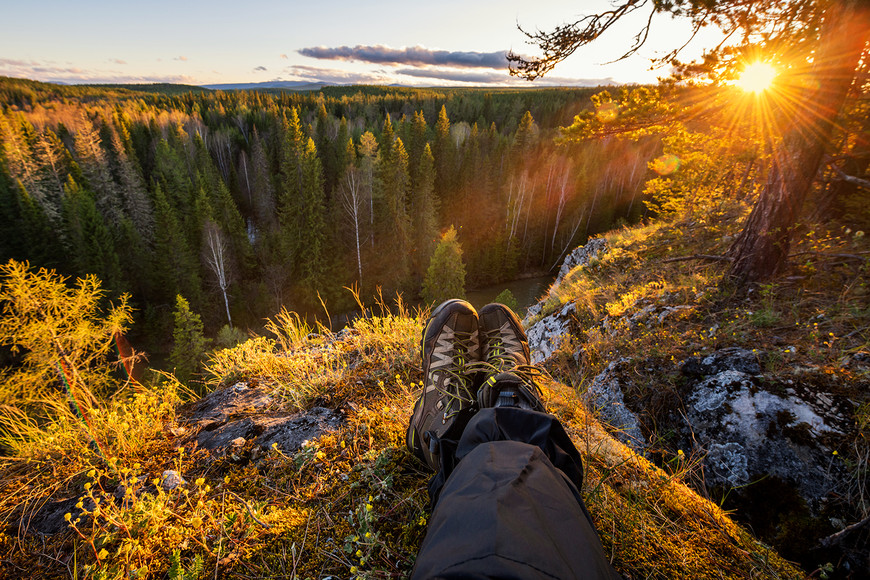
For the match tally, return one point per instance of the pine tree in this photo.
(313, 219)
(189, 342)
(445, 278)
(89, 240)
(423, 209)
(416, 142)
(94, 163)
(525, 137)
(443, 152)
(263, 193)
(290, 201)
(176, 270)
(136, 205)
(394, 223)
(368, 153)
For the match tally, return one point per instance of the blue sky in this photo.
(411, 42)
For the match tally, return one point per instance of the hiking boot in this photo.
(503, 341)
(510, 379)
(450, 346)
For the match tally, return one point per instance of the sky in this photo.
(407, 42)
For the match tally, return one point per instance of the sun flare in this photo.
(756, 77)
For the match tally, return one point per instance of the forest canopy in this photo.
(246, 202)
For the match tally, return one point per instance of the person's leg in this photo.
(511, 508)
(506, 496)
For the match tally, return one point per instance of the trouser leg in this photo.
(507, 504)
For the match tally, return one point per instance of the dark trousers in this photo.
(508, 505)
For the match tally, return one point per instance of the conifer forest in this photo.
(245, 203)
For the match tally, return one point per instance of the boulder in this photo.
(750, 427)
(605, 397)
(229, 418)
(581, 256)
(546, 335)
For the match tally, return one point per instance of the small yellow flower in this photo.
(92, 473)
(353, 569)
(835, 452)
(87, 486)
(368, 535)
(196, 522)
(67, 516)
(359, 553)
(137, 466)
(226, 479)
(199, 481)
(343, 444)
(369, 507)
(320, 455)
(103, 554)
(79, 505)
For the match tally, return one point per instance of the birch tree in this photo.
(217, 260)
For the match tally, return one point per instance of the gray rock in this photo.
(546, 335)
(667, 311)
(217, 407)
(218, 437)
(533, 310)
(171, 479)
(49, 519)
(857, 361)
(287, 430)
(290, 432)
(229, 418)
(606, 398)
(749, 428)
(736, 359)
(581, 256)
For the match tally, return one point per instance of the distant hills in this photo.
(288, 85)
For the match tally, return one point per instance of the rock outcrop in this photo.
(605, 397)
(546, 334)
(228, 419)
(748, 426)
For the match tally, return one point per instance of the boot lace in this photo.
(456, 386)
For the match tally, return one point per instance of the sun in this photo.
(756, 77)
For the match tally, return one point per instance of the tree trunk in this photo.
(761, 249)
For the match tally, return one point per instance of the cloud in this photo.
(335, 76)
(117, 61)
(11, 62)
(414, 56)
(481, 78)
(50, 72)
(259, 69)
(497, 78)
(181, 58)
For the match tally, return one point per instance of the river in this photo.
(527, 291)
